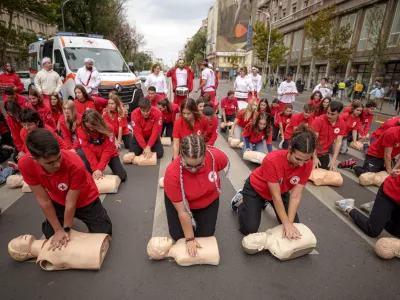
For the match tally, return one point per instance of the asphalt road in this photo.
(344, 265)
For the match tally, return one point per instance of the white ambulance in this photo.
(68, 50)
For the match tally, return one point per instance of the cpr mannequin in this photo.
(254, 156)
(281, 248)
(371, 178)
(325, 177)
(387, 248)
(83, 251)
(131, 158)
(166, 141)
(235, 143)
(26, 188)
(357, 145)
(161, 182)
(223, 125)
(15, 181)
(161, 247)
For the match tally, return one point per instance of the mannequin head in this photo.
(255, 242)
(20, 247)
(158, 247)
(387, 248)
(128, 158)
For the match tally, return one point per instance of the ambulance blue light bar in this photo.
(92, 35)
(66, 33)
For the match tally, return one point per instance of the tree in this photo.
(142, 61)
(128, 40)
(277, 49)
(195, 48)
(328, 42)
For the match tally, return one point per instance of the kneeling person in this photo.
(63, 188)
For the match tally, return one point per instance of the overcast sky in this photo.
(166, 24)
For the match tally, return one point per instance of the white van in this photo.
(68, 50)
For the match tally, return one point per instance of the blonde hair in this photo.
(120, 110)
(73, 121)
(96, 120)
(248, 113)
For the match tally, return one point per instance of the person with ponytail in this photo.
(36, 103)
(279, 181)
(69, 123)
(169, 111)
(191, 122)
(116, 115)
(212, 128)
(282, 121)
(192, 187)
(322, 108)
(256, 135)
(98, 147)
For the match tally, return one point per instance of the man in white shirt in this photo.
(207, 85)
(324, 88)
(89, 77)
(181, 76)
(287, 92)
(47, 81)
(257, 82)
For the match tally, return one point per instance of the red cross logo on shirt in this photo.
(295, 180)
(62, 187)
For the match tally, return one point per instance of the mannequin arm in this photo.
(388, 159)
(70, 206)
(185, 219)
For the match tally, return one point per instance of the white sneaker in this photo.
(345, 204)
(368, 207)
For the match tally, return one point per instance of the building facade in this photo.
(289, 17)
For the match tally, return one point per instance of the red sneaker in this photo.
(348, 163)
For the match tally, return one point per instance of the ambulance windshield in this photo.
(105, 60)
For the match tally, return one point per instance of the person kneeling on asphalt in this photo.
(230, 108)
(280, 181)
(147, 124)
(63, 188)
(192, 187)
(385, 213)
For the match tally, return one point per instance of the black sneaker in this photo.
(235, 200)
(265, 205)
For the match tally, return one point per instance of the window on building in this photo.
(294, 8)
(365, 34)
(351, 20)
(297, 41)
(305, 3)
(392, 74)
(283, 13)
(224, 59)
(286, 40)
(275, 17)
(307, 48)
(229, 59)
(394, 36)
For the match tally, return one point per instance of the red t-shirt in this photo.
(275, 168)
(81, 107)
(240, 118)
(391, 188)
(116, 121)
(199, 187)
(15, 128)
(284, 119)
(181, 128)
(230, 106)
(318, 114)
(366, 122)
(315, 103)
(389, 139)
(254, 138)
(149, 128)
(154, 102)
(68, 135)
(351, 123)
(56, 116)
(45, 114)
(97, 155)
(327, 133)
(169, 117)
(72, 175)
(392, 122)
(24, 133)
(296, 121)
(212, 131)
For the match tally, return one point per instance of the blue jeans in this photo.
(5, 173)
(343, 147)
(259, 147)
(392, 97)
(366, 146)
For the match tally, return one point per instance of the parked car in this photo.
(25, 79)
(143, 75)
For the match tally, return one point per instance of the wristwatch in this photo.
(189, 240)
(67, 229)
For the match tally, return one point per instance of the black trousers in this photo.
(384, 215)
(229, 118)
(285, 144)
(169, 128)
(6, 139)
(206, 219)
(94, 215)
(114, 164)
(157, 147)
(249, 211)
(324, 159)
(275, 132)
(371, 164)
(127, 139)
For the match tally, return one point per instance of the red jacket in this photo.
(149, 128)
(15, 127)
(212, 131)
(21, 100)
(24, 133)
(97, 155)
(67, 134)
(10, 80)
(45, 114)
(171, 73)
(100, 103)
(81, 107)
(169, 117)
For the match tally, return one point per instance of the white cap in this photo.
(210, 66)
(88, 60)
(45, 60)
(254, 68)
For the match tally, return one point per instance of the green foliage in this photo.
(260, 44)
(328, 43)
(194, 48)
(142, 61)
(234, 61)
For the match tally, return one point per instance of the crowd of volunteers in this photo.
(61, 148)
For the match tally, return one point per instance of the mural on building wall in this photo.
(233, 21)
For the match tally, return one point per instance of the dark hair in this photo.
(320, 108)
(370, 104)
(9, 91)
(267, 118)
(58, 107)
(34, 92)
(154, 67)
(356, 104)
(206, 98)
(336, 106)
(276, 101)
(31, 115)
(303, 139)
(208, 110)
(268, 109)
(316, 92)
(41, 143)
(165, 103)
(204, 63)
(308, 108)
(191, 105)
(144, 103)
(230, 92)
(83, 90)
(152, 88)
(243, 69)
(286, 107)
(199, 101)
(5, 67)
(13, 107)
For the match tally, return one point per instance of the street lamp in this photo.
(269, 40)
(62, 12)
